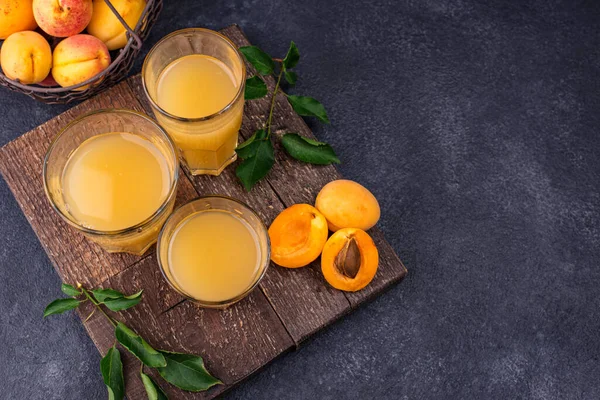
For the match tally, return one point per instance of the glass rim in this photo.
(226, 302)
(229, 105)
(72, 221)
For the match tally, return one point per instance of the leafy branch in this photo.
(186, 371)
(257, 153)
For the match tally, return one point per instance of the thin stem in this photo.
(87, 294)
(278, 59)
(90, 298)
(273, 102)
(90, 316)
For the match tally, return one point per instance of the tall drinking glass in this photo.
(207, 142)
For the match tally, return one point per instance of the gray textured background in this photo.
(475, 124)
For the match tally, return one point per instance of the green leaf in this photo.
(292, 57)
(135, 295)
(153, 391)
(187, 372)
(308, 150)
(59, 306)
(102, 294)
(248, 148)
(123, 303)
(112, 373)
(255, 88)
(255, 167)
(291, 77)
(115, 300)
(139, 347)
(70, 290)
(308, 107)
(259, 59)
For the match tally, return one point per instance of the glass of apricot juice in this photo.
(112, 175)
(194, 79)
(214, 250)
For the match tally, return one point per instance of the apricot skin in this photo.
(347, 204)
(297, 236)
(15, 16)
(62, 18)
(78, 58)
(369, 260)
(105, 25)
(26, 56)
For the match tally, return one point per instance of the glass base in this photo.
(137, 242)
(215, 172)
(136, 251)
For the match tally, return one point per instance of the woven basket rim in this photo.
(35, 88)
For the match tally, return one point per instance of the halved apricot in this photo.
(347, 204)
(297, 236)
(350, 259)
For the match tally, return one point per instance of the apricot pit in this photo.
(297, 236)
(350, 259)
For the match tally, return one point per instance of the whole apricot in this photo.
(347, 204)
(15, 16)
(79, 58)
(105, 25)
(26, 56)
(350, 259)
(297, 236)
(62, 18)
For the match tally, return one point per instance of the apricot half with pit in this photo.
(347, 204)
(350, 259)
(297, 236)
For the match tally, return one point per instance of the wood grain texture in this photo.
(235, 342)
(290, 304)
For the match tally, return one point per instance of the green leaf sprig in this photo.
(186, 371)
(257, 153)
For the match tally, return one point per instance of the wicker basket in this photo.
(116, 71)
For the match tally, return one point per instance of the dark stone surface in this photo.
(476, 126)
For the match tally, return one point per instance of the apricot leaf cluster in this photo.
(186, 371)
(257, 153)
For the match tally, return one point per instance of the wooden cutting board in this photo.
(289, 306)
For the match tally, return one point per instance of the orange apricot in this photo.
(350, 259)
(347, 204)
(297, 236)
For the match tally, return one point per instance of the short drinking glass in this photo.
(112, 175)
